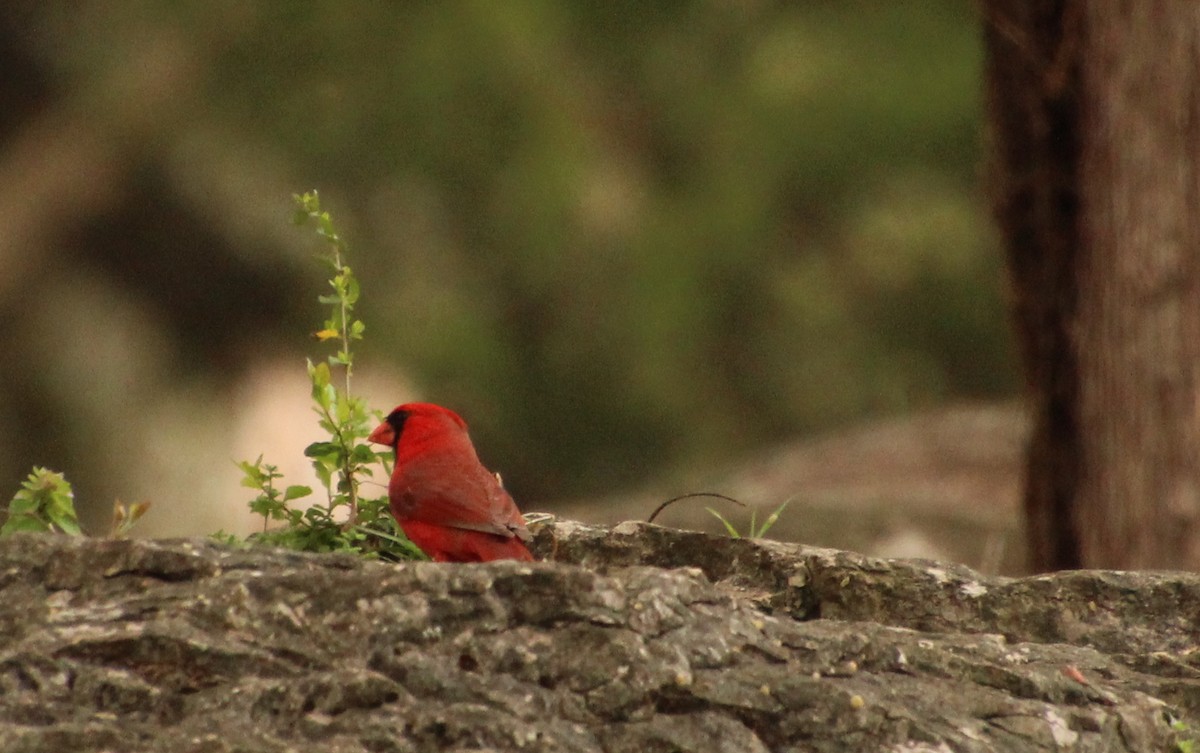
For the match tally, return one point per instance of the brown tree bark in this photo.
(1095, 120)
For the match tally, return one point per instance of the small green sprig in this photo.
(341, 461)
(755, 531)
(44, 503)
(271, 503)
(125, 517)
(344, 459)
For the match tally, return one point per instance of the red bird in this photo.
(446, 502)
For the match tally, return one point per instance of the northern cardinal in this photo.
(445, 501)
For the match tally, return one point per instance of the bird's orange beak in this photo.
(383, 434)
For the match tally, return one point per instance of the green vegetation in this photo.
(44, 503)
(125, 517)
(346, 522)
(755, 530)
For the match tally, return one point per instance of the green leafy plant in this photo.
(347, 521)
(755, 531)
(271, 503)
(44, 503)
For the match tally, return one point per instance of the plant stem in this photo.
(347, 471)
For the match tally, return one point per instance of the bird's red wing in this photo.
(467, 498)
(444, 544)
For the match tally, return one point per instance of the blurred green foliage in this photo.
(43, 504)
(624, 236)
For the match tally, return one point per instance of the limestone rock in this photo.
(637, 638)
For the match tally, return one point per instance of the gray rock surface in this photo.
(637, 638)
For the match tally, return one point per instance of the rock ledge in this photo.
(638, 638)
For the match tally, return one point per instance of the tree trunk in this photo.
(1095, 120)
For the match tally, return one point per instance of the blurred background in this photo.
(644, 248)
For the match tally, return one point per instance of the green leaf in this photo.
(344, 409)
(771, 520)
(296, 492)
(23, 503)
(733, 532)
(329, 396)
(326, 226)
(362, 453)
(322, 449)
(17, 524)
(65, 519)
(318, 374)
(252, 474)
(325, 466)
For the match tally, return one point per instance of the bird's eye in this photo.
(396, 420)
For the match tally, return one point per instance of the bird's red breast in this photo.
(445, 501)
